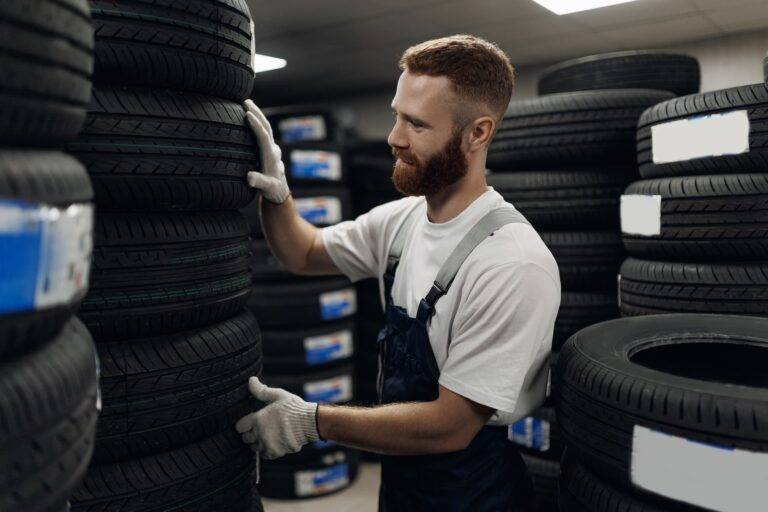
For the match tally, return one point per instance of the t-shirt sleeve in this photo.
(355, 245)
(505, 321)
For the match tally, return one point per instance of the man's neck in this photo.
(451, 201)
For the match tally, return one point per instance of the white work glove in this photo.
(271, 180)
(285, 425)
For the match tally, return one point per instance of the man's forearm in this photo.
(414, 428)
(290, 237)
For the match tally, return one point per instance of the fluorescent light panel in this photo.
(263, 63)
(569, 6)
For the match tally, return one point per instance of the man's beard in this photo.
(443, 169)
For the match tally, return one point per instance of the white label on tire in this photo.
(700, 136)
(328, 347)
(641, 214)
(46, 254)
(294, 129)
(253, 47)
(329, 391)
(319, 210)
(530, 432)
(709, 476)
(338, 304)
(321, 481)
(314, 165)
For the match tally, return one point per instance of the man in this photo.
(471, 296)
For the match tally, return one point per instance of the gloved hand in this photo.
(283, 426)
(271, 181)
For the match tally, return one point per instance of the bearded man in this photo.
(470, 291)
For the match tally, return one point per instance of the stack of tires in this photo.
(563, 159)
(664, 413)
(49, 399)
(167, 149)
(308, 322)
(695, 226)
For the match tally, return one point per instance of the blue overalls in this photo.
(487, 476)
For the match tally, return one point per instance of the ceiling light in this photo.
(569, 6)
(261, 63)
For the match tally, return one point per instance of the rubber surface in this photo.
(571, 128)
(308, 302)
(279, 480)
(544, 476)
(49, 178)
(581, 309)
(336, 382)
(706, 218)
(162, 393)
(697, 377)
(194, 45)
(654, 287)
(46, 54)
(296, 350)
(587, 260)
(265, 266)
(212, 475)
(161, 273)
(153, 149)
(553, 200)
(48, 411)
(750, 98)
(637, 69)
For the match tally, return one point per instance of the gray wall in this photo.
(725, 62)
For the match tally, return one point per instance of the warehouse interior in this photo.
(203, 222)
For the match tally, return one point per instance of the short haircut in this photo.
(479, 70)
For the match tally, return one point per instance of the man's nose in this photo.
(396, 138)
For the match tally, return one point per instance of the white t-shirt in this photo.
(492, 332)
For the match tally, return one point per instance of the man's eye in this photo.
(415, 124)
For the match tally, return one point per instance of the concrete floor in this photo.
(361, 496)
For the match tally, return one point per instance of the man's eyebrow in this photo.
(412, 119)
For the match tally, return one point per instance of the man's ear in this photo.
(481, 132)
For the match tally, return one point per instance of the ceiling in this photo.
(338, 47)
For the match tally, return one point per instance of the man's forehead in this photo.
(423, 92)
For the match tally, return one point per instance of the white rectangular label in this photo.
(323, 165)
(328, 347)
(295, 129)
(708, 476)
(329, 391)
(338, 304)
(319, 210)
(700, 136)
(640, 215)
(321, 481)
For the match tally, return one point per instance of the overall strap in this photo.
(491, 222)
(396, 250)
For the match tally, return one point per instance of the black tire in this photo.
(765, 68)
(544, 476)
(581, 309)
(265, 266)
(315, 163)
(637, 69)
(308, 302)
(706, 218)
(302, 124)
(565, 199)
(537, 435)
(581, 491)
(197, 45)
(211, 475)
(698, 378)
(48, 411)
(654, 287)
(571, 128)
(292, 350)
(327, 385)
(371, 164)
(151, 150)
(587, 260)
(47, 60)
(38, 178)
(161, 393)
(161, 273)
(751, 98)
(336, 471)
